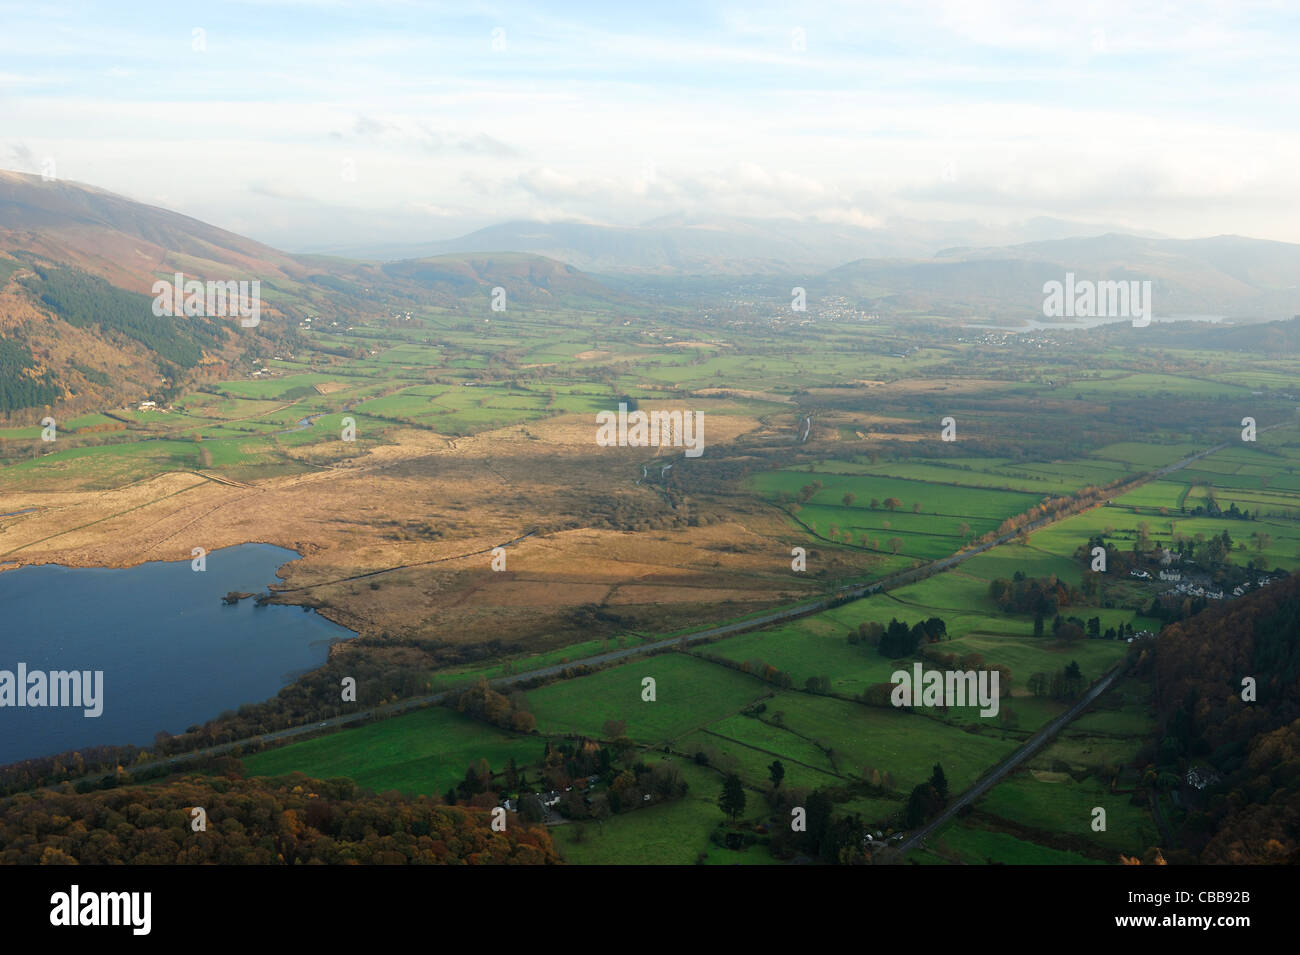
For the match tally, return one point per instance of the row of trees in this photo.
(314, 696)
(1065, 684)
(1211, 508)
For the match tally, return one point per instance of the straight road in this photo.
(999, 772)
(850, 592)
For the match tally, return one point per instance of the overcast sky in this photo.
(304, 124)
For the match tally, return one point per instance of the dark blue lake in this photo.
(172, 653)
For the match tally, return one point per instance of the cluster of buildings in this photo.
(1262, 581)
(1189, 589)
(551, 799)
(266, 371)
(1192, 587)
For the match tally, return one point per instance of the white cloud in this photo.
(1174, 119)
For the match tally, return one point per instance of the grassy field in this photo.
(973, 846)
(1040, 800)
(1045, 812)
(673, 833)
(936, 501)
(689, 694)
(702, 707)
(471, 431)
(423, 752)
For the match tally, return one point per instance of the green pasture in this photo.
(690, 693)
(423, 752)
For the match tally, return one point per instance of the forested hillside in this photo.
(290, 821)
(83, 300)
(22, 383)
(1245, 751)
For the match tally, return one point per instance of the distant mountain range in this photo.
(959, 269)
(683, 245)
(77, 266)
(131, 245)
(1229, 276)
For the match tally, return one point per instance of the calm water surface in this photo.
(172, 653)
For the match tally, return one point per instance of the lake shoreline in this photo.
(173, 652)
(303, 549)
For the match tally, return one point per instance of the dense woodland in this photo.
(178, 351)
(23, 384)
(83, 300)
(1245, 751)
(290, 821)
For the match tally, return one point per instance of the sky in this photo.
(305, 125)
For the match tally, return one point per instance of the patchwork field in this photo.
(472, 435)
(1046, 814)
